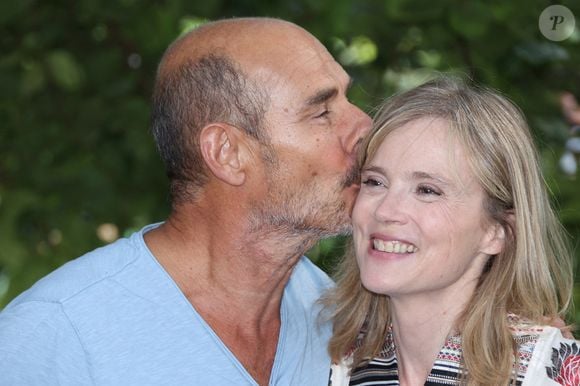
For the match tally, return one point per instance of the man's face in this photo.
(314, 133)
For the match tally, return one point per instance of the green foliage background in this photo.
(76, 78)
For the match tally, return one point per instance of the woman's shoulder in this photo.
(544, 353)
(526, 334)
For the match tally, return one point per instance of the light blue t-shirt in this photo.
(115, 317)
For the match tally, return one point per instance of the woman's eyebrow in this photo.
(419, 175)
(374, 168)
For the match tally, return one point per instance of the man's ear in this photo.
(497, 235)
(222, 146)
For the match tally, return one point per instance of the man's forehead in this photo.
(245, 40)
(281, 57)
(307, 74)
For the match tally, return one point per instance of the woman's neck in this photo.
(420, 329)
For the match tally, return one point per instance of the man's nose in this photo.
(359, 124)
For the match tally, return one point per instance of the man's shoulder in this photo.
(38, 344)
(86, 271)
(310, 275)
(307, 283)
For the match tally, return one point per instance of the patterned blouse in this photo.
(546, 358)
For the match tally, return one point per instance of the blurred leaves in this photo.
(78, 166)
(65, 70)
(360, 51)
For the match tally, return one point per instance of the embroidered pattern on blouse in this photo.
(565, 367)
(383, 370)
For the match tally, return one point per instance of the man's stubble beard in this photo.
(310, 211)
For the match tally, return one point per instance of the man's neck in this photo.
(235, 284)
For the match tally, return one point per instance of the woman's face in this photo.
(419, 224)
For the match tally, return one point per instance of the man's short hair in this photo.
(198, 92)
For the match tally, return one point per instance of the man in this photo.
(259, 141)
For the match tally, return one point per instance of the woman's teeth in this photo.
(393, 246)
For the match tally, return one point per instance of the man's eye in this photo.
(323, 114)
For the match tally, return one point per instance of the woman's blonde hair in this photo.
(531, 277)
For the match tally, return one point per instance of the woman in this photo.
(457, 257)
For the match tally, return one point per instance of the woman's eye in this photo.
(428, 190)
(371, 182)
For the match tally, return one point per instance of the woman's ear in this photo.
(497, 234)
(222, 148)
